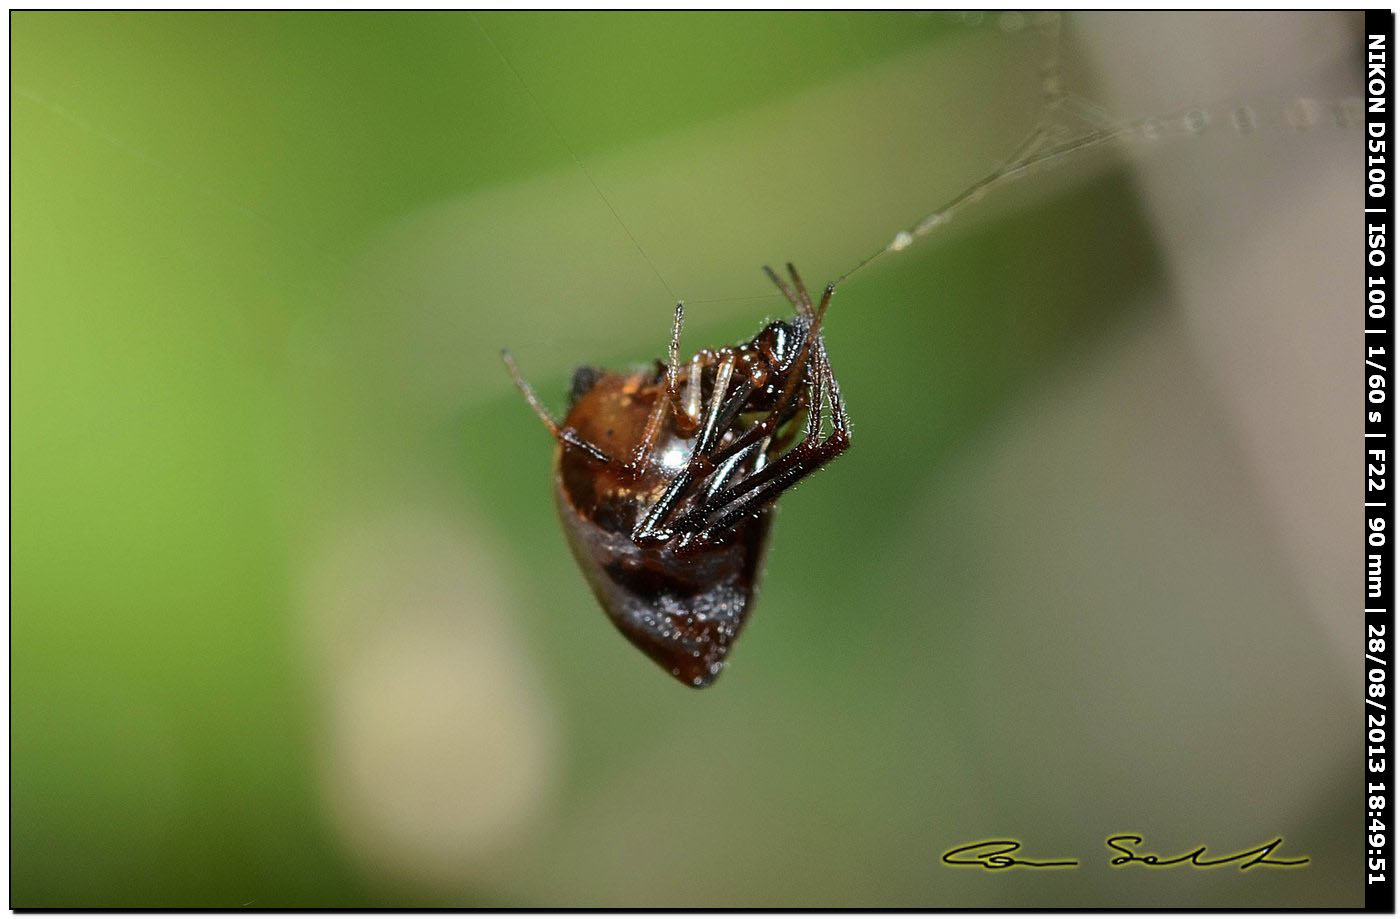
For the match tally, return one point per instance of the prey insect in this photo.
(666, 477)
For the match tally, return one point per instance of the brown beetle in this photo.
(666, 477)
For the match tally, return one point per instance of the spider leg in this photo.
(725, 471)
(710, 431)
(566, 436)
(840, 420)
(690, 397)
(802, 294)
(691, 538)
(727, 413)
(658, 410)
(789, 469)
(759, 489)
(782, 285)
(774, 419)
(673, 363)
(720, 478)
(810, 368)
(816, 390)
(650, 528)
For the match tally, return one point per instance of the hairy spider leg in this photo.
(690, 401)
(724, 406)
(775, 418)
(702, 459)
(823, 392)
(802, 294)
(673, 369)
(649, 528)
(816, 392)
(799, 304)
(758, 490)
(692, 539)
(566, 436)
(670, 399)
(723, 374)
(725, 471)
(727, 413)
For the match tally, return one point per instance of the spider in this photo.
(666, 477)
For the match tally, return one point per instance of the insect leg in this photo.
(566, 436)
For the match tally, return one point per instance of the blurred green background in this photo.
(292, 621)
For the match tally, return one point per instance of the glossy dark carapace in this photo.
(666, 476)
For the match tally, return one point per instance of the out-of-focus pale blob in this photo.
(438, 741)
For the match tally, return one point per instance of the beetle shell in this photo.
(682, 609)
